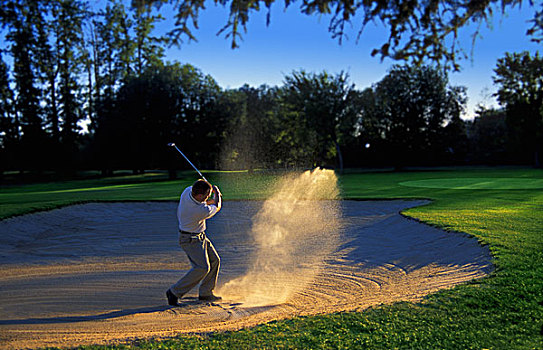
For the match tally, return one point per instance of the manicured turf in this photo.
(17, 200)
(503, 311)
(476, 183)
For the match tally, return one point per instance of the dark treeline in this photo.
(90, 89)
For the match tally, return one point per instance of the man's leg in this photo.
(196, 252)
(210, 280)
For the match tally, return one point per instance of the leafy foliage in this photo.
(417, 30)
(164, 104)
(320, 112)
(536, 31)
(489, 137)
(66, 70)
(520, 91)
(409, 112)
(9, 133)
(253, 125)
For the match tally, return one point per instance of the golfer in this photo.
(195, 207)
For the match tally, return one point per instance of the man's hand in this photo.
(217, 191)
(217, 198)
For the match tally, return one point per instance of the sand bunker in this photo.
(97, 273)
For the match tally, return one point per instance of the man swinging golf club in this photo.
(195, 207)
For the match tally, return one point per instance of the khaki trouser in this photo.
(205, 265)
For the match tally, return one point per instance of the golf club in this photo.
(184, 156)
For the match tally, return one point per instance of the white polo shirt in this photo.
(192, 214)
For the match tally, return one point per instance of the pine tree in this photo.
(70, 17)
(149, 51)
(9, 133)
(21, 17)
(47, 61)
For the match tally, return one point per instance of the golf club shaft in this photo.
(184, 156)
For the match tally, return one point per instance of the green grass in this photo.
(24, 199)
(503, 311)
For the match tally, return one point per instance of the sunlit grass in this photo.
(476, 183)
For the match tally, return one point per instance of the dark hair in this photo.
(201, 187)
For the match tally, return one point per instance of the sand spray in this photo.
(294, 231)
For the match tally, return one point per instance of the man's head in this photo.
(201, 190)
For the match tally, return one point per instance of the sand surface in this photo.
(97, 273)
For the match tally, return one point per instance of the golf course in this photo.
(271, 175)
(500, 207)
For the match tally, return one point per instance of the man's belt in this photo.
(195, 235)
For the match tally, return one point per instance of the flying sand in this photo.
(96, 273)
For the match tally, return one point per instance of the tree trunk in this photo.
(339, 156)
(54, 111)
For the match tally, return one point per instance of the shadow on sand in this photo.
(185, 303)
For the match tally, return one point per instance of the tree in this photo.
(111, 58)
(488, 138)
(148, 48)
(536, 31)
(171, 102)
(417, 30)
(318, 113)
(112, 50)
(48, 63)
(58, 77)
(200, 121)
(370, 128)
(9, 126)
(121, 49)
(21, 17)
(69, 20)
(520, 91)
(250, 136)
(412, 108)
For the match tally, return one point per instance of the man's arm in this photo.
(217, 198)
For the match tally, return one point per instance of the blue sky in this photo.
(294, 41)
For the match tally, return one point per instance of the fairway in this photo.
(475, 183)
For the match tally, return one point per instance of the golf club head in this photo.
(171, 144)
